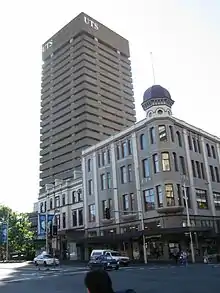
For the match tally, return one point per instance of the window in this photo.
(109, 180)
(108, 156)
(201, 199)
(213, 152)
(179, 193)
(129, 173)
(182, 166)
(198, 146)
(74, 197)
(149, 200)
(217, 174)
(198, 169)
(80, 219)
(132, 201)
(124, 150)
(64, 220)
(129, 147)
(103, 181)
(99, 160)
(79, 195)
(146, 168)
(51, 204)
(123, 175)
(104, 158)
(193, 168)
(179, 139)
(90, 186)
(202, 170)
(169, 195)
(212, 173)
(208, 150)
(152, 135)
(125, 202)
(165, 162)
(143, 142)
(63, 199)
(74, 218)
(118, 152)
(189, 142)
(89, 165)
(195, 144)
(92, 213)
(171, 133)
(156, 163)
(104, 207)
(216, 197)
(57, 202)
(162, 133)
(159, 196)
(175, 162)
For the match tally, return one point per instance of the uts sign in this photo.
(91, 23)
(47, 46)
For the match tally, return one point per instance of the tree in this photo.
(20, 236)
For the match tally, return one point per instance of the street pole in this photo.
(189, 223)
(7, 239)
(143, 237)
(46, 226)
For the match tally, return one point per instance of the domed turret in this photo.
(157, 102)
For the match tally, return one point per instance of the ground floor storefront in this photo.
(160, 244)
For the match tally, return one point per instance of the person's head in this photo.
(98, 281)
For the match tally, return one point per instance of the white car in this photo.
(46, 260)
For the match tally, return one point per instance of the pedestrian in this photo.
(98, 281)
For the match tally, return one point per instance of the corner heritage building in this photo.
(87, 94)
(145, 170)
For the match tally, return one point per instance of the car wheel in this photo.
(116, 268)
(104, 267)
(45, 264)
(125, 264)
(36, 264)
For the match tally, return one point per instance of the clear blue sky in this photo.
(183, 36)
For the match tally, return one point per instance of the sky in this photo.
(182, 34)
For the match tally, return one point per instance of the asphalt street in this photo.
(153, 279)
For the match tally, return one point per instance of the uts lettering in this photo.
(91, 23)
(47, 46)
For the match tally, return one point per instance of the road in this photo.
(153, 279)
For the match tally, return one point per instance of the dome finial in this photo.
(152, 64)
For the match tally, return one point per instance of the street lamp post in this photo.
(46, 226)
(142, 228)
(188, 222)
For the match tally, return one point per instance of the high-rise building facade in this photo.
(87, 94)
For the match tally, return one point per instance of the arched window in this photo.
(179, 138)
(143, 142)
(213, 152)
(208, 150)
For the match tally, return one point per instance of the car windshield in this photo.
(115, 253)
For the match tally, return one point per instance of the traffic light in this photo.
(107, 213)
(54, 230)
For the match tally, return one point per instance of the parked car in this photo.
(103, 262)
(46, 260)
(123, 260)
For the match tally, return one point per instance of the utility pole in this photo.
(188, 222)
(7, 239)
(46, 226)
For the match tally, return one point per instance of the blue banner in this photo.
(4, 231)
(42, 223)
